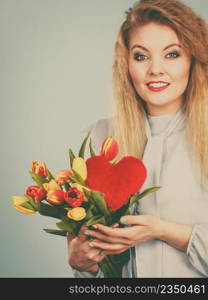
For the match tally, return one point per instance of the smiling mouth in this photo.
(157, 86)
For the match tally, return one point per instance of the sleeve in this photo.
(197, 249)
(78, 274)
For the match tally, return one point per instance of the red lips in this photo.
(157, 89)
(117, 182)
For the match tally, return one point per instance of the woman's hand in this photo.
(81, 256)
(141, 228)
(116, 240)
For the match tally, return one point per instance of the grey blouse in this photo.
(181, 199)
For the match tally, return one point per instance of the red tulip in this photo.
(36, 192)
(74, 197)
(109, 148)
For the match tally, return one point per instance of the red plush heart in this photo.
(117, 182)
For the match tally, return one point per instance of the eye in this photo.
(173, 54)
(139, 56)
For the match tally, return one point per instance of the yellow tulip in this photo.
(17, 201)
(51, 185)
(76, 213)
(80, 167)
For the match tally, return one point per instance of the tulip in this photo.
(51, 185)
(81, 189)
(18, 201)
(109, 148)
(36, 192)
(39, 168)
(63, 176)
(79, 166)
(55, 197)
(74, 197)
(77, 213)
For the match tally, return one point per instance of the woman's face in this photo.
(159, 67)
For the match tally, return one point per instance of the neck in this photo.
(163, 110)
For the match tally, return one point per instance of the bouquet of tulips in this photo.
(98, 189)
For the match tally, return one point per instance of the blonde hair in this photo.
(129, 118)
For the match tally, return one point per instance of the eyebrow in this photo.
(142, 47)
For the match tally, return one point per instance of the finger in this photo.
(70, 237)
(106, 246)
(113, 232)
(110, 252)
(81, 235)
(133, 220)
(115, 225)
(106, 238)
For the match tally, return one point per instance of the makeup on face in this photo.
(159, 67)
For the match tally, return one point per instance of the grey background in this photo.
(56, 60)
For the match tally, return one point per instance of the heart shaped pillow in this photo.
(117, 182)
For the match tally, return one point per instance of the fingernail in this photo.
(86, 233)
(94, 226)
(91, 245)
(123, 220)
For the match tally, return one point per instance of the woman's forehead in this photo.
(153, 35)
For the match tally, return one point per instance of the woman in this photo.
(161, 93)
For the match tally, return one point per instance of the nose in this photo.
(155, 67)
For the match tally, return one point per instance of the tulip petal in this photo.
(23, 210)
(79, 166)
(51, 185)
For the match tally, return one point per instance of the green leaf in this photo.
(92, 152)
(28, 206)
(71, 157)
(69, 226)
(50, 176)
(31, 201)
(97, 199)
(135, 198)
(89, 213)
(78, 178)
(82, 148)
(67, 186)
(56, 232)
(38, 179)
(96, 219)
(51, 210)
(73, 179)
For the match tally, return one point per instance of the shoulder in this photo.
(99, 130)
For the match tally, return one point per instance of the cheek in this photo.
(137, 74)
(181, 73)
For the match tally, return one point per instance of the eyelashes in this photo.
(141, 57)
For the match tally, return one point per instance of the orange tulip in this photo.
(36, 192)
(39, 168)
(55, 197)
(74, 197)
(63, 176)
